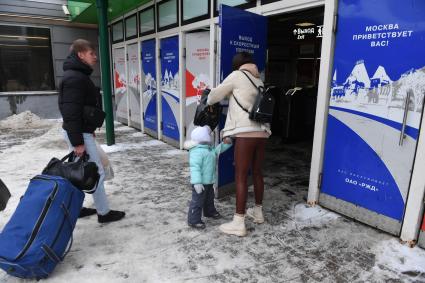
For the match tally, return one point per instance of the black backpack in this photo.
(207, 115)
(4, 195)
(262, 110)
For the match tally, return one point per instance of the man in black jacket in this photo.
(77, 91)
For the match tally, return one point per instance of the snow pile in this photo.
(305, 216)
(18, 164)
(400, 257)
(24, 120)
(303, 213)
(391, 256)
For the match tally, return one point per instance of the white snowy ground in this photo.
(153, 243)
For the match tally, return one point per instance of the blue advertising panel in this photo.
(149, 85)
(376, 103)
(240, 31)
(170, 87)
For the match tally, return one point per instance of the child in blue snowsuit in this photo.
(202, 162)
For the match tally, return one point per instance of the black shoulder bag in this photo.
(207, 115)
(93, 116)
(82, 173)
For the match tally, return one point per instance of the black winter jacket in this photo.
(75, 91)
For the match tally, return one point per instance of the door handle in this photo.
(406, 110)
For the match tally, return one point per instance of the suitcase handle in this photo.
(49, 251)
(68, 217)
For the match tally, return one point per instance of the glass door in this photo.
(239, 31)
(120, 85)
(133, 86)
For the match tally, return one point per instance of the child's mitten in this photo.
(199, 188)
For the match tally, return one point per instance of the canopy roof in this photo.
(84, 11)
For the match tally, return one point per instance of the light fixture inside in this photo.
(65, 10)
(23, 37)
(305, 24)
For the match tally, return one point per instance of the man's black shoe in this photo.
(85, 211)
(111, 216)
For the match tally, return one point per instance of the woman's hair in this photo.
(81, 45)
(241, 58)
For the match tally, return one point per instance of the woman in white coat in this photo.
(250, 138)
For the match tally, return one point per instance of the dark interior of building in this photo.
(293, 63)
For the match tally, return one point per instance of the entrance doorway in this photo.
(293, 63)
(287, 50)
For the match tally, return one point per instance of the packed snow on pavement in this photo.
(153, 243)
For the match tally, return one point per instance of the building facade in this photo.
(344, 82)
(349, 84)
(34, 41)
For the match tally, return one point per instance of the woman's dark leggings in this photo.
(249, 153)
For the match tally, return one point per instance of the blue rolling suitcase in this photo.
(39, 233)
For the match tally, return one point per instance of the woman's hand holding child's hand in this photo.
(227, 140)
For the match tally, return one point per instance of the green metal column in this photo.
(102, 10)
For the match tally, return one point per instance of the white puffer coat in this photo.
(237, 83)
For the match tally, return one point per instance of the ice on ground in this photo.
(138, 135)
(400, 257)
(129, 146)
(174, 152)
(297, 243)
(24, 120)
(395, 258)
(123, 129)
(304, 215)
